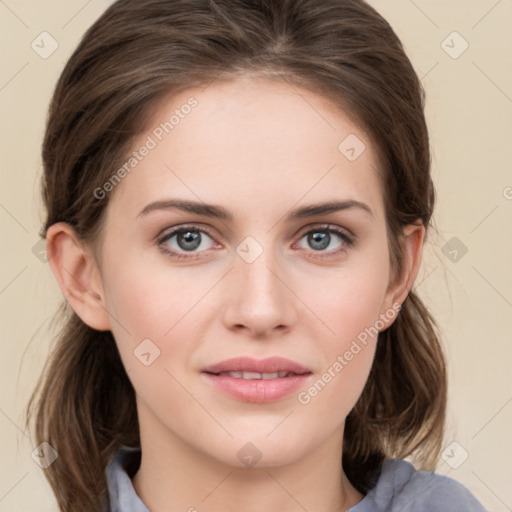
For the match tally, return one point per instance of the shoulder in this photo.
(401, 487)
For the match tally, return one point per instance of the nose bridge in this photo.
(259, 281)
(259, 301)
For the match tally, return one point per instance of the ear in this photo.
(411, 243)
(77, 274)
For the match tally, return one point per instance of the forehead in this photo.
(252, 141)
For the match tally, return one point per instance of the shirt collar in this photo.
(122, 495)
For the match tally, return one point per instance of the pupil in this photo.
(319, 240)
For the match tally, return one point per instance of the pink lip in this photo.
(247, 364)
(257, 390)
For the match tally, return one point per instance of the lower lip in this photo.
(257, 390)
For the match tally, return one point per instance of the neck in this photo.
(173, 476)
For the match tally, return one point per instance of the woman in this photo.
(238, 193)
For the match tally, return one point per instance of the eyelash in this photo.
(347, 240)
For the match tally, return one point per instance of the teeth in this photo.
(255, 375)
(252, 375)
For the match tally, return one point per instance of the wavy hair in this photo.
(137, 53)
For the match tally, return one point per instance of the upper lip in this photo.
(248, 364)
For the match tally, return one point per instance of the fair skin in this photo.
(259, 149)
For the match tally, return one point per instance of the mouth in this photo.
(258, 381)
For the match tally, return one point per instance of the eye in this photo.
(326, 239)
(178, 242)
(188, 241)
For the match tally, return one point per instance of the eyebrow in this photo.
(211, 210)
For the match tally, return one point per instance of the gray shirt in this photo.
(400, 488)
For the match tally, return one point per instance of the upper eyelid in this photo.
(325, 227)
(168, 232)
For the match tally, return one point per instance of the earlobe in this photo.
(77, 274)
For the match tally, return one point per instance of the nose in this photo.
(260, 301)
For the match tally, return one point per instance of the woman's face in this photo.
(256, 271)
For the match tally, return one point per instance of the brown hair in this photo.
(139, 51)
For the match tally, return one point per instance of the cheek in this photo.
(148, 297)
(348, 349)
(350, 299)
(350, 310)
(161, 311)
(153, 326)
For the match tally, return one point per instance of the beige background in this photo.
(469, 112)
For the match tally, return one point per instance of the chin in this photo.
(257, 451)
